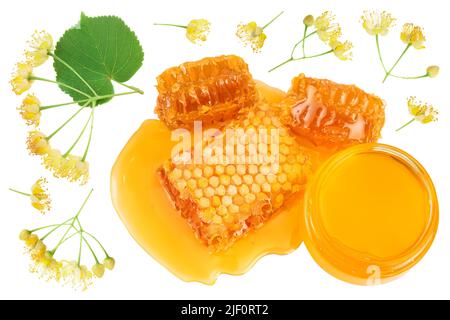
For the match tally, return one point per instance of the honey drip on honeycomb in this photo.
(331, 114)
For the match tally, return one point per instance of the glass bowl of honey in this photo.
(371, 213)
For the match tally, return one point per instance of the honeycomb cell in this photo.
(244, 195)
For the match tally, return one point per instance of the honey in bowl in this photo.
(371, 214)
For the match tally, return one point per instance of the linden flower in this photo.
(377, 23)
(37, 143)
(422, 112)
(72, 167)
(40, 198)
(251, 34)
(42, 262)
(412, 35)
(30, 110)
(326, 29)
(78, 276)
(342, 50)
(21, 81)
(198, 30)
(41, 45)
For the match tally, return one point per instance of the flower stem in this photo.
(79, 136)
(80, 248)
(304, 40)
(62, 104)
(49, 226)
(314, 56)
(379, 53)
(71, 224)
(396, 62)
(406, 124)
(54, 229)
(99, 243)
(90, 135)
(106, 96)
(137, 90)
(20, 192)
(293, 51)
(170, 25)
(66, 122)
(60, 84)
(282, 64)
(416, 77)
(90, 248)
(73, 70)
(273, 19)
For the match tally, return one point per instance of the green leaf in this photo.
(95, 52)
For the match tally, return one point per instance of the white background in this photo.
(274, 277)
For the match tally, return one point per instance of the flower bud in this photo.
(98, 270)
(109, 263)
(308, 20)
(433, 71)
(24, 235)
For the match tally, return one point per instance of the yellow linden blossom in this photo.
(377, 23)
(76, 275)
(41, 45)
(40, 198)
(42, 261)
(412, 35)
(198, 30)
(252, 34)
(326, 29)
(30, 110)
(71, 167)
(21, 81)
(342, 50)
(37, 143)
(422, 112)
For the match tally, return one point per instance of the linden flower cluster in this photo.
(71, 167)
(378, 23)
(39, 197)
(328, 31)
(71, 272)
(197, 30)
(421, 112)
(63, 164)
(253, 35)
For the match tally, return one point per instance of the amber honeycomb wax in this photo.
(331, 114)
(222, 202)
(211, 90)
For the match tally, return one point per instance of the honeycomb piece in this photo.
(331, 114)
(241, 186)
(211, 90)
